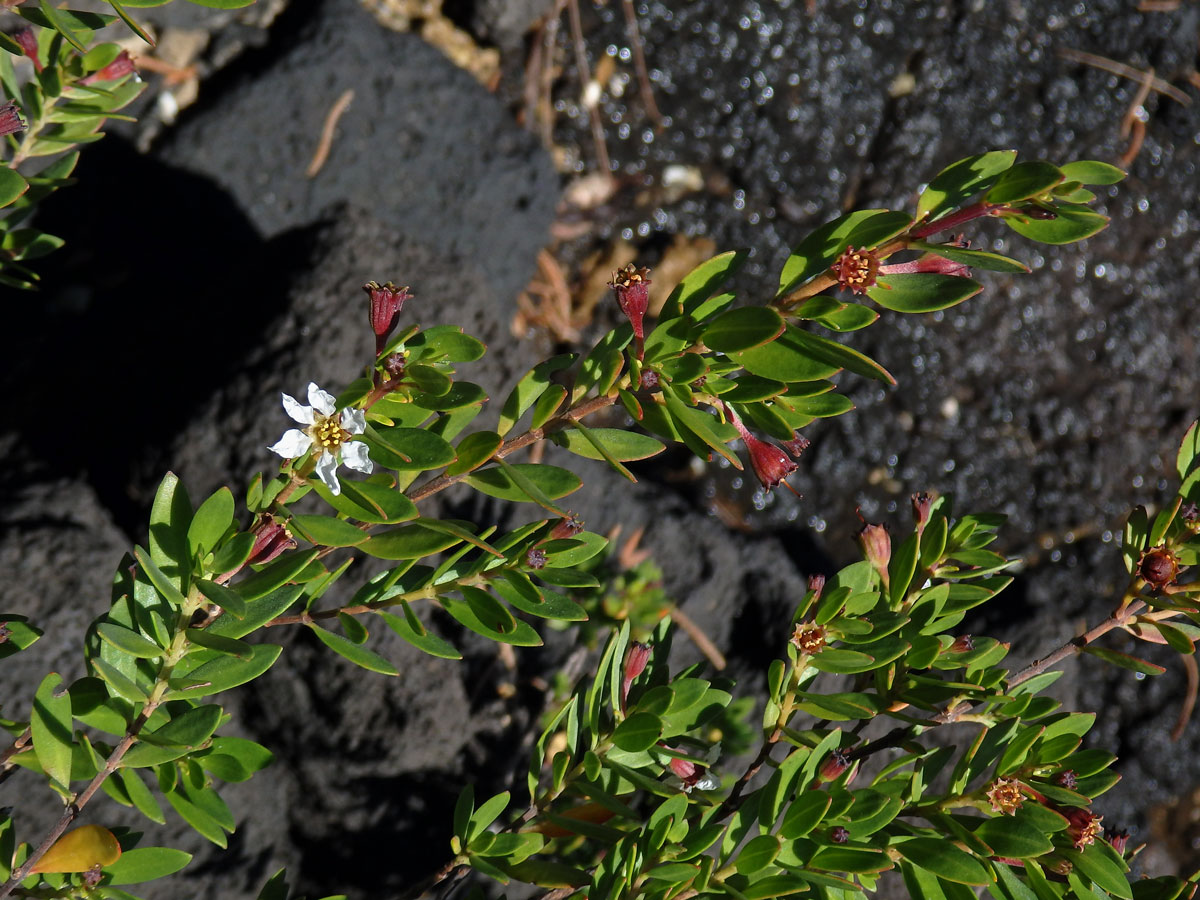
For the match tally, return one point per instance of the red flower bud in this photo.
(566, 528)
(28, 41)
(964, 643)
(1066, 778)
(927, 262)
(684, 768)
(770, 464)
(636, 658)
(386, 302)
(1118, 838)
(633, 296)
(816, 584)
(10, 119)
(922, 505)
(838, 834)
(271, 538)
(114, 71)
(877, 547)
(833, 766)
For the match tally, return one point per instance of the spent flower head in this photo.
(1005, 795)
(329, 433)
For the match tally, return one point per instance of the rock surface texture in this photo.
(230, 275)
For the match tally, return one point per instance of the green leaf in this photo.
(50, 724)
(410, 628)
(222, 4)
(61, 24)
(275, 575)
(145, 864)
(161, 581)
(621, 444)
(757, 854)
(851, 859)
(640, 731)
(817, 252)
(1011, 837)
(222, 673)
(408, 449)
(963, 179)
(485, 815)
(743, 329)
(1025, 180)
(232, 554)
(835, 354)
(378, 504)
(944, 859)
(228, 599)
(408, 542)
(1096, 865)
(521, 635)
(804, 814)
(922, 292)
(236, 759)
(128, 641)
(20, 634)
(474, 450)
(189, 729)
(704, 426)
(141, 796)
(356, 653)
(12, 185)
(702, 282)
(170, 518)
(262, 610)
(529, 388)
(1124, 660)
(1189, 451)
(520, 592)
(1090, 171)
(497, 481)
(1070, 224)
(211, 521)
(848, 317)
(328, 531)
(121, 684)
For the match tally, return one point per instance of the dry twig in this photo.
(326, 142)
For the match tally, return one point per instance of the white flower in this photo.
(327, 430)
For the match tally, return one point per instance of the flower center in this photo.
(856, 270)
(328, 433)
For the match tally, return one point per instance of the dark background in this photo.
(205, 275)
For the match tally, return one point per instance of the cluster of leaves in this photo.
(72, 84)
(833, 815)
(603, 817)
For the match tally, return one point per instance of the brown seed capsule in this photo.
(1158, 566)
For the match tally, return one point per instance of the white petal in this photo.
(301, 414)
(354, 455)
(293, 443)
(326, 470)
(354, 420)
(321, 401)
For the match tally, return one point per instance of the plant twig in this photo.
(639, 62)
(340, 105)
(512, 446)
(6, 764)
(585, 79)
(1124, 71)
